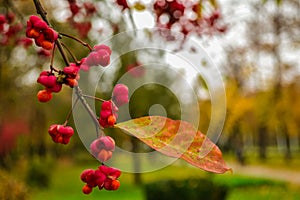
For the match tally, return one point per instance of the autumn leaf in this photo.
(138, 6)
(177, 139)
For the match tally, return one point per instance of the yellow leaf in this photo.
(139, 6)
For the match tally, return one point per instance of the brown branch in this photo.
(78, 40)
(41, 11)
(70, 52)
(89, 110)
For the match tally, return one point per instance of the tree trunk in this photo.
(136, 162)
(262, 142)
(238, 144)
(288, 153)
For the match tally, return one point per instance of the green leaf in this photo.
(278, 2)
(177, 139)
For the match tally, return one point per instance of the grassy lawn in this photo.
(65, 184)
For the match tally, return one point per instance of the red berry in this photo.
(120, 95)
(47, 79)
(102, 46)
(111, 120)
(56, 88)
(99, 57)
(87, 189)
(114, 185)
(44, 95)
(39, 30)
(107, 142)
(66, 131)
(83, 65)
(72, 82)
(60, 133)
(72, 70)
(85, 173)
(110, 172)
(108, 114)
(102, 148)
(104, 155)
(53, 129)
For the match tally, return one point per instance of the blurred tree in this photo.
(263, 66)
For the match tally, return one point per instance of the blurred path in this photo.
(267, 172)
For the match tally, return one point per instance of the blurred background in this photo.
(255, 45)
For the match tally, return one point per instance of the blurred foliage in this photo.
(39, 172)
(11, 188)
(190, 189)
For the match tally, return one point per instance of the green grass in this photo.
(264, 193)
(66, 185)
(274, 160)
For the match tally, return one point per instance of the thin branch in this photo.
(70, 52)
(41, 11)
(132, 20)
(52, 60)
(92, 97)
(78, 40)
(70, 112)
(62, 52)
(89, 110)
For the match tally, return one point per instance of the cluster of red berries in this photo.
(43, 35)
(188, 15)
(109, 109)
(99, 56)
(60, 133)
(102, 148)
(173, 9)
(70, 74)
(82, 13)
(108, 114)
(103, 177)
(9, 29)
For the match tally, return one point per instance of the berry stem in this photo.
(41, 11)
(92, 97)
(52, 60)
(62, 52)
(70, 112)
(70, 52)
(78, 40)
